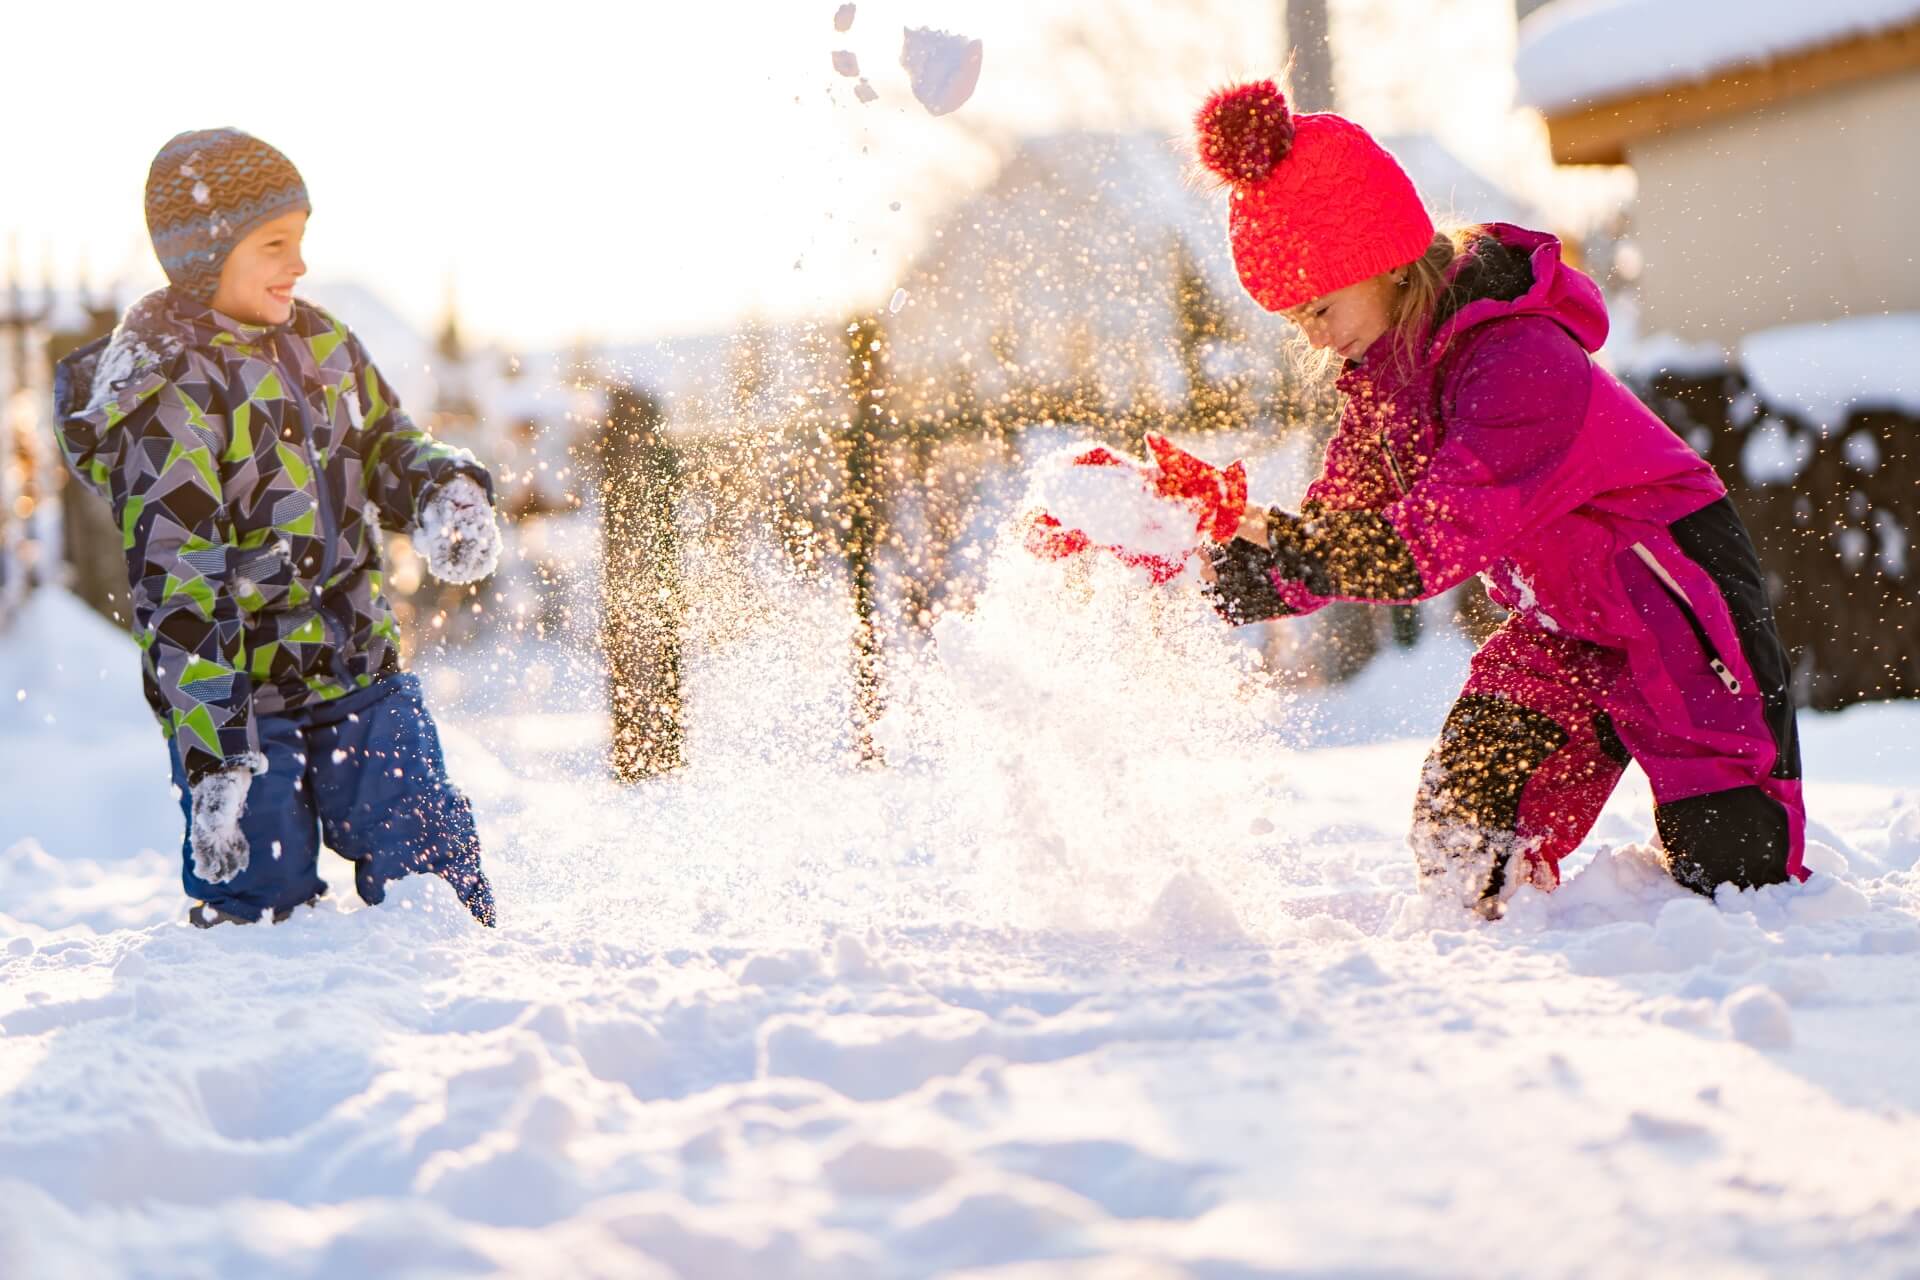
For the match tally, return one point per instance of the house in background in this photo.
(1773, 145)
(1773, 141)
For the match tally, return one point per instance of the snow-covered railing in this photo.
(1816, 430)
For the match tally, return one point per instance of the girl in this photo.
(1479, 437)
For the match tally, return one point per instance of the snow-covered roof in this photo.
(1822, 371)
(1576, 52)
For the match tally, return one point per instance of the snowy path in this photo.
(783, 1020)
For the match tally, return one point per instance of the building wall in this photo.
(1801, 212)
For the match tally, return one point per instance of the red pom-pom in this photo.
(1245, 131)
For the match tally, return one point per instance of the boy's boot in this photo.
(202, 916)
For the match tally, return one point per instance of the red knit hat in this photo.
(1316, 203)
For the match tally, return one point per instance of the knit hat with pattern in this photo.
(208, 189)
(1315, 203)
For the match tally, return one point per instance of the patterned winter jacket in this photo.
(247, 467)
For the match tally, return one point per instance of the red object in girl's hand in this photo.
(1217, 499)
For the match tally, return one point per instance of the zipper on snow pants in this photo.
(1679, 595)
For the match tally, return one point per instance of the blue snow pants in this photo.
(364, 774)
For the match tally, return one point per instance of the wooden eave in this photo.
(1599, 133)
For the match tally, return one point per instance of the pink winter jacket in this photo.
(1504, 451)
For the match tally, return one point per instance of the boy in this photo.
(247, 446)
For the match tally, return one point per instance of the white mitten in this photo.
(457, 532)
(219, 846)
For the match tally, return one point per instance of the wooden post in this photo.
(642, 603)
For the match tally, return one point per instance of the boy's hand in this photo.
(457, 533)
(219, 846)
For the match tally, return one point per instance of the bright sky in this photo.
(602, 170)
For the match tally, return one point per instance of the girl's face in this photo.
(256, 280)
(1348, 321)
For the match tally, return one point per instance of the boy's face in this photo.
(256, 281)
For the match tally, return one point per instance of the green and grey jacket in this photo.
(247, 467)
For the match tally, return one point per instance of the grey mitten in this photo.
(457, 532)
(219, 846)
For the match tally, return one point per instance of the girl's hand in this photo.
(1253, 526)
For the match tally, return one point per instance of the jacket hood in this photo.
(1567, 297)
(150, 337)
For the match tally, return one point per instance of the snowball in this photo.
(1903, 841)
(943, 67)
(1191, 911)
(865, 93)
(1759, 1017)
(846, 62)
(843, 17)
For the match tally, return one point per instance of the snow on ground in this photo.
(1114, 971)
(1584, 51)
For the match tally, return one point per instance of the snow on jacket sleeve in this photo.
(153, 435)
(1513, 399)
(404, 465)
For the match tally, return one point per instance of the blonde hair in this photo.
(1415, 303)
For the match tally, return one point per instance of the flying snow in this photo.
(944, 67)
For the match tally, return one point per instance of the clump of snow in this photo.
(1574, 52)
(1903, 841)
(865, 92)
(1759, 1017)
(1190, 912)
(846, 62)
(1822, 371)
(843, 17)
(1113, 505)
(943, 68)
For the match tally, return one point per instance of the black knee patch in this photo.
(1739, 835)
(1488, 749)
(1716, 540)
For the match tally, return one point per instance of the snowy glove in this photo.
(457, 532)
(219, 846)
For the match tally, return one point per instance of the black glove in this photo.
(1242, 588)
